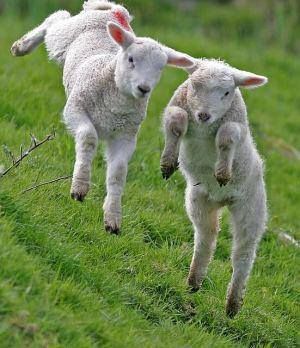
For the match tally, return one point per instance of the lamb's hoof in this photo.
(112, 229)
(193, 284)
(194, 289)
(168, 170)
(233, 306)
(18, 49)
(78, 196)
(223, 176)
(223, 181)
(112, 222)
(79, 190)
(15, 49)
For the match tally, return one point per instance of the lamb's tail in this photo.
(34, 38)
(102, 5)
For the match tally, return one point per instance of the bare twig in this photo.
(46, 183)
(23, 154)
(288, 239)
(34, 140)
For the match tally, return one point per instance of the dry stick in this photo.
(34, 145)
(46, 183)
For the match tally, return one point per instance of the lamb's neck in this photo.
(111, 72)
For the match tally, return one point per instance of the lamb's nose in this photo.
(144, 89)
(204, 116)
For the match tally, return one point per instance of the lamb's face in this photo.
(139, 68)
(211, 88)
(141, 61)
(210, 94)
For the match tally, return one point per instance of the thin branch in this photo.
(34, 140)
(288, 239)
(23, 154)
(46, 183)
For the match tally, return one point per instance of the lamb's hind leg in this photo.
(175, 127)
(86, 139)
(249, 219)
(35, 37)
(204, 216)
(118, 154)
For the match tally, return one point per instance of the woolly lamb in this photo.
(206, 127)
(108, 75)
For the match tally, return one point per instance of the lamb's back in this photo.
(86, 46)
(81, 31)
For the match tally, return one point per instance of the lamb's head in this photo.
(141, 61)
(212, 86)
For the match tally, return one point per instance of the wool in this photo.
(207, 133)
(108, 75)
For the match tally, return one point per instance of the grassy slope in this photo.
(64, 282)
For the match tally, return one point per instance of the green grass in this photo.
(65, 283)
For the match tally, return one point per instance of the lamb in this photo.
(206, 129)
(108, 75)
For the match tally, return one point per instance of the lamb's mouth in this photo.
(140, 95)
(204, 117)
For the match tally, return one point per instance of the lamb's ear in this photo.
(248, 80)
(121, 36)
(178, 59)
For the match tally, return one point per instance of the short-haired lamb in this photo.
(109, 75)
(206, 130)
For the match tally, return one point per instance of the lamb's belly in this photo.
(110, 125)
(204, 179)
(198, 166)
(215, 192)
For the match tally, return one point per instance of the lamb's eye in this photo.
(130, 60)
(226, 94)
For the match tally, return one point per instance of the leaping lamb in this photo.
(206, 128)
(108, 74)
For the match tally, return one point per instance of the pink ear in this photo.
(254, 81)
(116, 33)
(121, 36)
(122, 20)
(247, 79)
(183, 62)
(178, 59)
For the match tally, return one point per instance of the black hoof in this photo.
(193, 285)
(193, 289)
(77, 197)
(222, 181)
(112, 230)
(168, 171)
(232, 308)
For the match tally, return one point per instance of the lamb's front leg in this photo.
(228, 137)
(175, 127)
(119, 152)
(86, 139)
